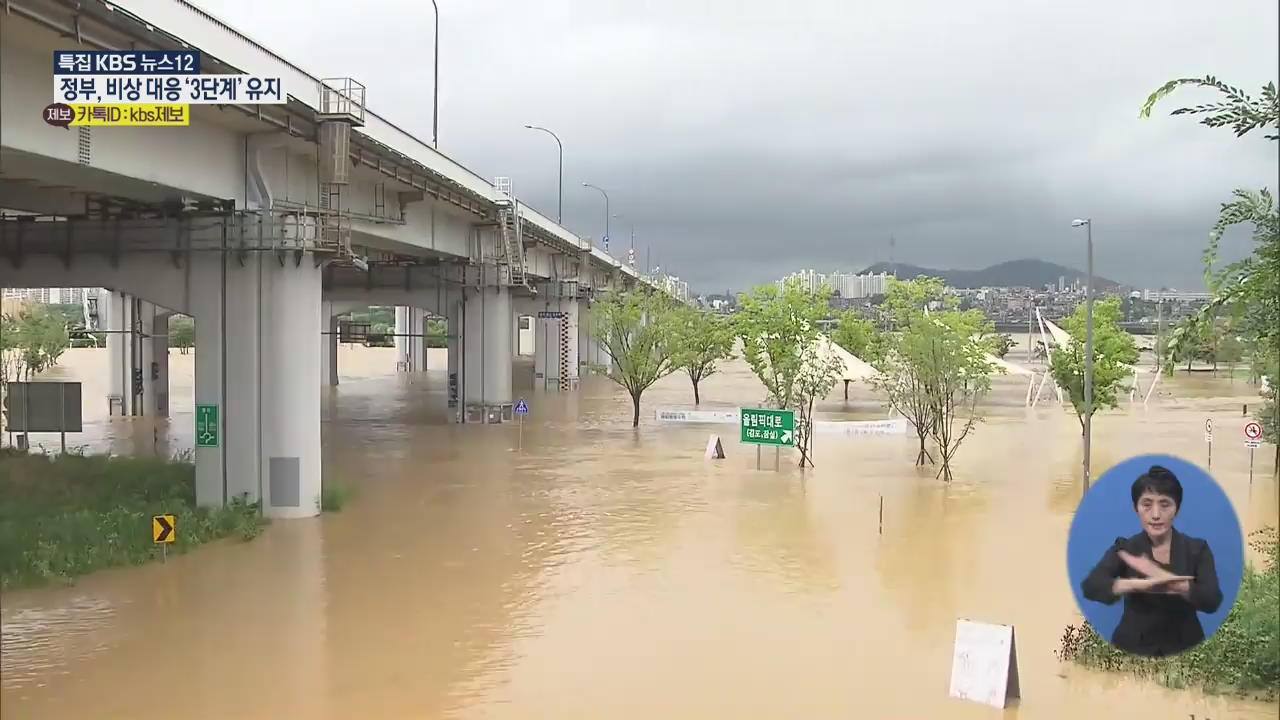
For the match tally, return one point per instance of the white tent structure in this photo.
(852, 367)
(1062, 338)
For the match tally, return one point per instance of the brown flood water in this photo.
(609, 573)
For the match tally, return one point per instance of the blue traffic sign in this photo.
(522, 408)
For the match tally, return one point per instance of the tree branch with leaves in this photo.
(1247, 292)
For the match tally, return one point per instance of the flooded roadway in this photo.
(609, 573)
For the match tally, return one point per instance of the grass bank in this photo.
(63, 516)
(1241, 658)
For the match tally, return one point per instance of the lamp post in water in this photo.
(606, 212)
(560, 176)
(1088, 345)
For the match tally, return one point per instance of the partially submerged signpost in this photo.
(43, 407)
(1252, 439)
(767, 427)
(984, 663)
(522, 409)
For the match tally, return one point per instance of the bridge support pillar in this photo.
(291, 465)
(486, 354)
(251, 322)
(328, 344)
(402, 339)
(120, 323)
(569, 361)
(411, 325)
(417, 343)
(155, 361)
(453, 320)
(555, 358)
(590, 350)
(523, 307)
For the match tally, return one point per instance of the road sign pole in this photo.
(520, 445)
(757, 457)
(777, 455)
(1250, 468)
(1208, 438)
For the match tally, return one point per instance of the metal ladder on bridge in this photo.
(512, 246)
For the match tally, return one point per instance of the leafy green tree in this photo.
(935, 370)
(951, 354)
(437, 332)
(858, 335)
(1231, 350)
(1114, 354)
(904, 299)
(32, 338)
(782, 343)
(72, 314)
(855, 334)
(635, 330)
(1000, 344)
(1246, 291)
(182, 333)
(903, 381)
(699, 340)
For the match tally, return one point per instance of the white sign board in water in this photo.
(862, 427)
(712, 417)
(984, 664)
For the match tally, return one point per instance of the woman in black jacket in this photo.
(1165, 577)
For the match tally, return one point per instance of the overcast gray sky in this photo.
(746, 139)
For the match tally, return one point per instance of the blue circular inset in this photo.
(1107, 513)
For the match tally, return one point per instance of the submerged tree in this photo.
(635, 330)
(936, 370)
(901, 380)
(1000, 344)
(959, 377)
(699, 341)
(1114, 354)
(782, 343)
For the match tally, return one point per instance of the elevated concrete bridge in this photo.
(263, 222)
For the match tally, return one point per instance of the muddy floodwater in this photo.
(606, 572)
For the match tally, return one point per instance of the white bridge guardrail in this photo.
(833, 427)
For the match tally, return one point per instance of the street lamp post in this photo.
(560, 176)
(1088, 345)
(606, 211)
(435, 83)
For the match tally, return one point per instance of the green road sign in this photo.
(206, 426)
(768, 427)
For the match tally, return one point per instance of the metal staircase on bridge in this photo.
(511, 259)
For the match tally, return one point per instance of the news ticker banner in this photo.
(132, 88)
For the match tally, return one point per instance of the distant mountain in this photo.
(1015, 273)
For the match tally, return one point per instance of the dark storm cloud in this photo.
(744, 140)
